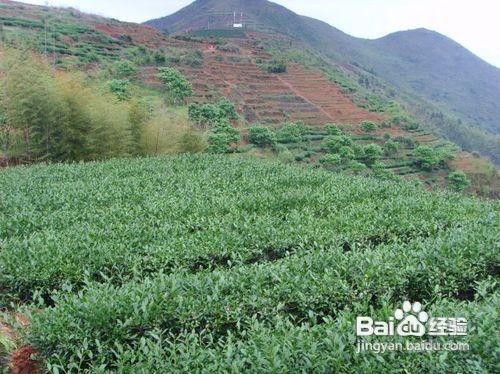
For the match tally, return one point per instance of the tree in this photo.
(372, 154)
(121, 88)
(332, 129)
(347, 153)
(204, 114)
(228, 110)
(290, 133)
(218, 143)
(177, 86)
(391, 148)
(225, 127)
(369, 126)
(333, 143)
(458, 181)
(124, 69)
(426, 157)
(207, 114)
(223, 134)
(261, 135)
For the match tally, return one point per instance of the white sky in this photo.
(474, 24)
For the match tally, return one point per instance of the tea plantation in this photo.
(227, 264)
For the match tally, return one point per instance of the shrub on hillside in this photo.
(228, 47)
(124, 69)
(227, 109)
(428, 158)
(159, 58)
(261, 135)
(126, 38)
(409, 142)
(276, 67)
(333, 143)
(193, 59)
(347, 153)
(412, 126)
(121, 88)
(223, 137)
(391, 148)
(176, 85)
(458, 181)
(290, 133)
(333, 129)
(372, 153)
(205, 114)
(369, 126)
(330, 160)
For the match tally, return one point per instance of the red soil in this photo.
(23, 361)
(140, 34)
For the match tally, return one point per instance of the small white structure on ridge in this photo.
(235, 24)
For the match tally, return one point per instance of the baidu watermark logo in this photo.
(411, 320)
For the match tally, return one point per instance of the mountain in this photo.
(444, 72)
(420, 63)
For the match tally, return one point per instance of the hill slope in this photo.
(418, 62)
(77, 38)
(314, 90)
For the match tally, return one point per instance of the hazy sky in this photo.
(473, 23)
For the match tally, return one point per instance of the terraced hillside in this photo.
(263, 97)
(299, 94)
(426, 69)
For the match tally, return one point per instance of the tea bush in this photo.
(224, 263)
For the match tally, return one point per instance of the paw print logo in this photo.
(412, 319)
